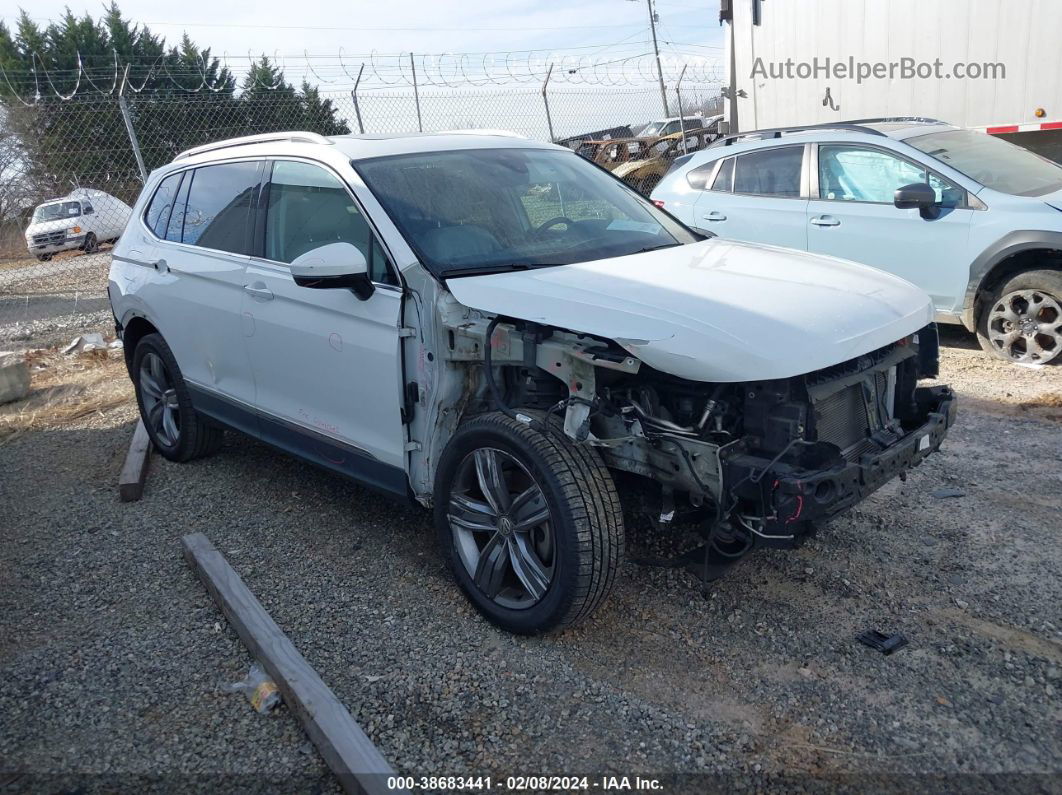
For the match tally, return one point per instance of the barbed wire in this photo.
(608, 67)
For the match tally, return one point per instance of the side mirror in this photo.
(336, 265)
(919, 195)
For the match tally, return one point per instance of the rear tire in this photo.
(43, 257)
(570, 556)
(176, 429)
(1022, 322)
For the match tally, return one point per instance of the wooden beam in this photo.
(131, 481)
(346, 749)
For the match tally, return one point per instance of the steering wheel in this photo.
(552, 222)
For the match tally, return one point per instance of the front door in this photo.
(326, 365)
(852, 215)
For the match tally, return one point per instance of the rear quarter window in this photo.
(158, 212)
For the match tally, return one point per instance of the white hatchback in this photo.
(503, 332)
(973, 220)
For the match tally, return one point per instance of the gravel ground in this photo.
(111, 652)
(48, 303)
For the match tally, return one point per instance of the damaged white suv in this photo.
(499, 330)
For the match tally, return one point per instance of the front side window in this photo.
(218, 209)
(770, 172)
(310, 207)
(995, 163)
(488, 210)
(87, 209)
(852, 173)
(158, 211)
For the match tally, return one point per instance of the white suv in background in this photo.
(500, 330)
(973, 220)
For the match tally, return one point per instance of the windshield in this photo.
(53, 212)
(993, 162)
(488, 210)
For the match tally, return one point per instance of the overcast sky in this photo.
(601, 31)
(403, 25)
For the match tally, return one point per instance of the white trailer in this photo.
(990, 65)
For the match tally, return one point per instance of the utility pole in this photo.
(656, 51)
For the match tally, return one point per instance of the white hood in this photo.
(715, 310)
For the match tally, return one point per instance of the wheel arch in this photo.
(134, 329)
(1016, 252)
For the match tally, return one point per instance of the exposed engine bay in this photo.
(759, 461)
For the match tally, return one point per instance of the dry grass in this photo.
(66, 388)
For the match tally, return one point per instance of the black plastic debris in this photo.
(886, 644)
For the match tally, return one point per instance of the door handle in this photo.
(825, 220)
(258, 291)
(714, 215)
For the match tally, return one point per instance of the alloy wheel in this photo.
(1025, 326)
(502, 529)
(159, 398)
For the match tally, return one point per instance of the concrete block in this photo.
(14, 377)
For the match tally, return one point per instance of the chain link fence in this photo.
(70, 170)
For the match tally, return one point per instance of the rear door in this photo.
(758, 197)
(198, 246)
(852, 215)
(326, 365)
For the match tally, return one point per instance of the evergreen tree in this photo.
(179, 96)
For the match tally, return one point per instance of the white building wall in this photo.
(1024, 35)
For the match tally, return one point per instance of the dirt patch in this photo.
(64, 388)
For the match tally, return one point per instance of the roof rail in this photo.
(482, 131)
(886, 119)
(778, 132)
(246, 140)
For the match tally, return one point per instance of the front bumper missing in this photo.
(793, 498)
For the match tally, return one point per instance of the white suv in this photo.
(973, 220)
(502, 331)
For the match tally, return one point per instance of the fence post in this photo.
(128, 119)
(682, 117)
(354, 95)
(416, 93)
(545, 101)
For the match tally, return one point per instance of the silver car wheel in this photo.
(502, 529)
(159, 398)
(1025, 326)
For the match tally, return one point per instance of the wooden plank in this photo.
(346, 749)
(131, 481)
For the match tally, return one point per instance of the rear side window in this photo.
(310, 207)
(218, 208)
(770, 172)
(158, 211)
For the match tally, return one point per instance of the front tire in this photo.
(176, 429)
(530, 523)
(1022, 322)
(91, 244)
